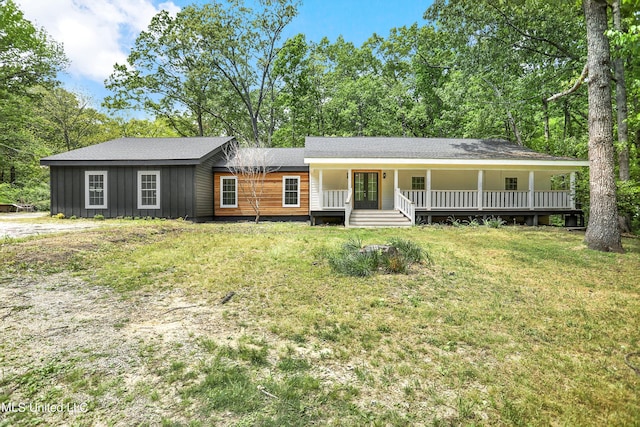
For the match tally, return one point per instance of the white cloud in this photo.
(95, 34)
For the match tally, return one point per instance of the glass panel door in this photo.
(365, 189)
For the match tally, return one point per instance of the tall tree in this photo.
(28, 59)
(602, 231)
(214, 61)
(624, 220)
(68, 118)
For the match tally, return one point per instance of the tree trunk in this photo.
(602, 232)
(624, 221)
(547, 131)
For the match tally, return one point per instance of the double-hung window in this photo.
(511, 184)
(95, 184)
(417, 183)
(148, 189)
(291, 191)
(228, 192)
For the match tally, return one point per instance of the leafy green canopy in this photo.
(208, 70)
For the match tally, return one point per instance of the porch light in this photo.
(384, 175)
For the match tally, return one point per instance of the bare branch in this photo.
(575, 86)
(250, 165)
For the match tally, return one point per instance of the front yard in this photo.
(125, 325)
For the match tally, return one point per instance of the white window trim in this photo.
(148, 172)
(222, 179)
(284, 180)
(104, 191)
(424, 183)
(510, 178)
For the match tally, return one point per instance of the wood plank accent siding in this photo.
(271, 204)
(176, 192)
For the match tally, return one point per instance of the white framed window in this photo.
(291, 191)
(417, 183)
(511, 184)
(228, 192)
(148, 189)
(95, 189)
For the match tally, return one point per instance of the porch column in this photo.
(427, 196)
(395, 186)
(480, 184)
(320, 189)
(531, 190)
(348, 180)
(572, 190)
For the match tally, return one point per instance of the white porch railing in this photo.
(347, 207)
(464, 199)
(418, 197)
(505, 199)
(468, 199)
(404, 205)
(552, 199)
(332, 199)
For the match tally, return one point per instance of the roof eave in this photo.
(180, 162)
(465, 162)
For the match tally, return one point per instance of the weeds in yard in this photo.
(513, 326)
(494, 222)
(355, 259)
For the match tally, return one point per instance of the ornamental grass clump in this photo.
(355, 259)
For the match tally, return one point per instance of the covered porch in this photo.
(435, 192)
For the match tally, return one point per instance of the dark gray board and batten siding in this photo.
(203, 189)
(176, 192)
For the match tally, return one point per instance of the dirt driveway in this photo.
(16, 225)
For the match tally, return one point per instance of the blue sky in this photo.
(98, 33)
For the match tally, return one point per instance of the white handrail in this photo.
(406, 206)
(347, 208)
(333, 198)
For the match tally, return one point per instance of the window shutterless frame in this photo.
(148, 189)
(417, 183)
(228, 192)
(291, 191)
(95, 189)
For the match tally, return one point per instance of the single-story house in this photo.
(360, 181)
(137, 177)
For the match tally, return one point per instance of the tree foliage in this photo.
(208, 70)
(487, 68)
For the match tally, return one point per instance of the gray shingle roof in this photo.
(278, 157)
(142, 151)
(420, 148)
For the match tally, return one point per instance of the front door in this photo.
(365, 186)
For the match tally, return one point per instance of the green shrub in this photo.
(73, 217)
(494, 222)
(98, 217)
(395, 263)
(408, 249)
(59, 215)
(354, 263)
(352, 260)
(455, 222)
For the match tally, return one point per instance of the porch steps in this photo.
(378, 218)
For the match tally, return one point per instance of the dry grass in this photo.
(512, 326)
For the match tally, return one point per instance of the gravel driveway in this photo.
(15, 225)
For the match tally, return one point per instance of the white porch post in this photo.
(480, 185)
(348, 180)
(427, 201)
(572, 189)
(531, 190)
(395, 187)
(321, 193)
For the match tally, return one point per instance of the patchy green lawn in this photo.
(512, 326)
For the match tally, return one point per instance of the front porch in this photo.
(422, 195)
